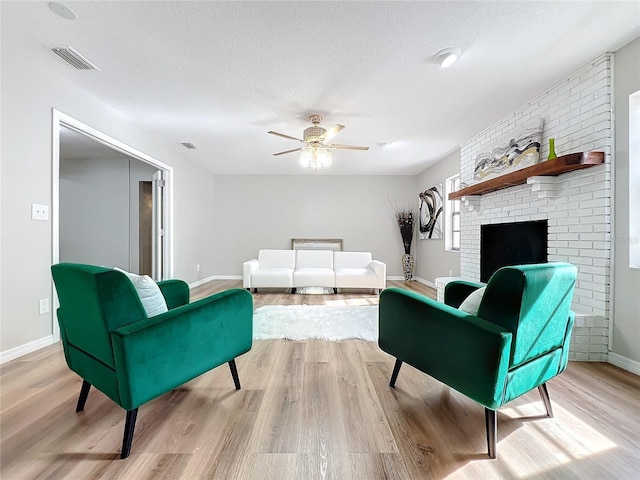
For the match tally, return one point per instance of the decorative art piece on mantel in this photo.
(430, 213)
(514, 152)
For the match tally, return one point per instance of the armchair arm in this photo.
(381, 271)
(247, 269)
(467, 353)
(455, 292)
(176, 292)
(157, 354)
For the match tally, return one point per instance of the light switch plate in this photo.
(39, 212)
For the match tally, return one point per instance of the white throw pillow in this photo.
(149, 292)
(471, 304)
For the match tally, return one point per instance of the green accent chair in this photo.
(111, 343)
(518, 340)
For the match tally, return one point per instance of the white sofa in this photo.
(313, 268)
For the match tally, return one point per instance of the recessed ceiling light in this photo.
(447, 57)
(62, 11)
(189, 145)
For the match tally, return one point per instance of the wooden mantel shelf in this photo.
(563, 164)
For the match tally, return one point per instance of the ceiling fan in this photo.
(316, 152)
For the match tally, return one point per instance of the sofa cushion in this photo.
(272, 277)
(356, 278)
(314, 259)
(314, 277)
(277, 259)
(351, 260)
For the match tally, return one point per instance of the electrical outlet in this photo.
(197, 267)
(450, 273)
(43, 306)
(39, 212)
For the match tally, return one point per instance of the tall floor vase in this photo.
(407, 266)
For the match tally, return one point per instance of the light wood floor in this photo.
(314, 410)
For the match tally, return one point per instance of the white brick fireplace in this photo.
(577, 205)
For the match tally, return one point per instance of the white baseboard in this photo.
(202, 281)
(417, 279)
(624, 363)
(239, 277)
(21, 350)
(425, 282)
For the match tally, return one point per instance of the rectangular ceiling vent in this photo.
(189, 145)
(73, 58)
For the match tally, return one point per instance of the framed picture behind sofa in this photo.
(334, 244)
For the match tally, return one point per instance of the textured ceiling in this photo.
(221, 74)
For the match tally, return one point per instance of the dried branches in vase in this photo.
(406, 222)
(405, 219)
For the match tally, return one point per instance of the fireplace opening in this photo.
(504, 244)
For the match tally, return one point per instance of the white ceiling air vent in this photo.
(73, 58)
(189, 145)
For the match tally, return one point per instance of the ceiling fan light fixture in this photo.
(447, 57)
(315, 158)
(317, 152)
(306, 156)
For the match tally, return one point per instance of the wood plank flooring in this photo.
(316, 410)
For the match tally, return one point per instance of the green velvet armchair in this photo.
(518, 340)
(111, 343)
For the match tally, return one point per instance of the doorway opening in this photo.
(156, 254)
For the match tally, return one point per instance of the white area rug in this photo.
(302, 322)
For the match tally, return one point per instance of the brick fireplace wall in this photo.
(578, 113)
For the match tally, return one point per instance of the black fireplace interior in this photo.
(505, 244)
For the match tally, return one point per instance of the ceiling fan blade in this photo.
(285, 136)
(338, 146)
(287, 151)
(331, 132)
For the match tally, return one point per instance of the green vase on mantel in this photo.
(552, 149)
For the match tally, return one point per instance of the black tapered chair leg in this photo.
(491, 423)
(234, 373)
(84, 393)
(394, 375)
(129, 427)
(544, 395)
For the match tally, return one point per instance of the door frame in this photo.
(61, 119)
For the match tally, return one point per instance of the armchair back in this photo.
(94, 301)
(533, 302)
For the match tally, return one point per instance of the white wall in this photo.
(94, 211)
(29, 91)
(626, 322)
(99, 202)
(253, 212)
(432, 259)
